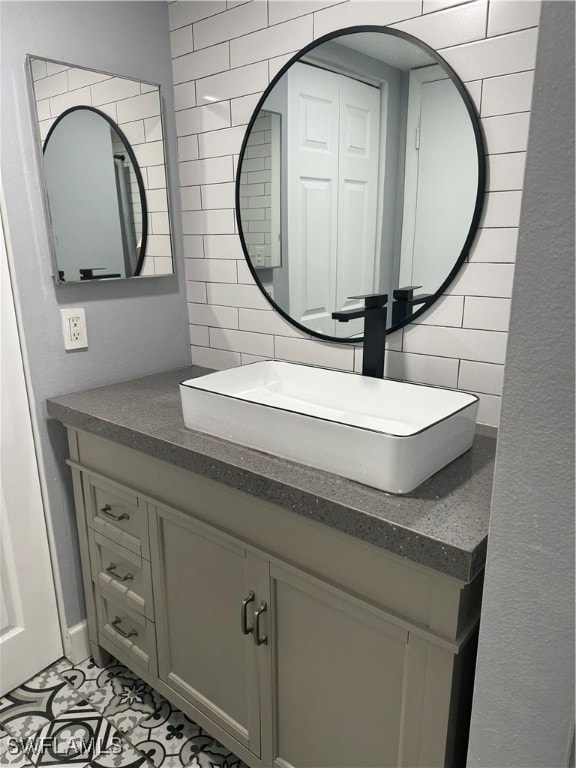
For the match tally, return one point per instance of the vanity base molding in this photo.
(295, 645)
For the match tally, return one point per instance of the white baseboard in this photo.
(76, 645)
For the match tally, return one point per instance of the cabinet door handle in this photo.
(258, 638)
(116, 625)
(112, 571)
(243, 618)
(107, 510)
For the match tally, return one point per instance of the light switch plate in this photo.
(74, 328)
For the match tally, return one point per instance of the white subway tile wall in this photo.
(135, 107)
(453, 26)
(224, 56)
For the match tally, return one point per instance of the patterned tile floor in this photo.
(80, 716)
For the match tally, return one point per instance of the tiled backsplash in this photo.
(224, 56)
(135, 108)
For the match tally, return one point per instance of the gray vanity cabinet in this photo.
(206, 652)
(331, 658)
(339, 671)
(295, 645)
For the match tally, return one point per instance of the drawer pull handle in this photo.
(112, 571)
(258, 638)
(116, 625)
(243, 618)
(107, 510)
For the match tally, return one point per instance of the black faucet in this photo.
(88, 273)
(374, 314)
(405, 301)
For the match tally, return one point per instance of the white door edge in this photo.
(55, 643)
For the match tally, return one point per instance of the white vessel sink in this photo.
(387, 434)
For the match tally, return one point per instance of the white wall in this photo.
(224, 56)
(523, 710)
(135, 327)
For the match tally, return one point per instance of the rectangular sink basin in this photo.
(386, 434)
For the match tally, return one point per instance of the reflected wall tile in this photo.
(113, 89)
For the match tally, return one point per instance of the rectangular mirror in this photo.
(103, 168)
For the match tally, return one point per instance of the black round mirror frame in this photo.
(137, 171)
(478, 135)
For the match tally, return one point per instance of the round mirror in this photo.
(361, 172)
(96, 197)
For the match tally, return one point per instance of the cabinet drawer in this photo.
(122, 574)
(117, 513)
(133, 634)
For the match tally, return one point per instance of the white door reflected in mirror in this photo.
(439, 181)
(379, 179)
(333, 155)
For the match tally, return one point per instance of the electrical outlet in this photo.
(259, 259)
(74, 328)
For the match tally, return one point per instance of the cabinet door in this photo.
(339, 674)
(201, 578)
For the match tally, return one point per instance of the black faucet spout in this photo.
(374, 313)
(405, 301)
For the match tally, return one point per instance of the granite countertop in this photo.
(443, 524)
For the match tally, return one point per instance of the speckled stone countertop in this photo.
(443, 524)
